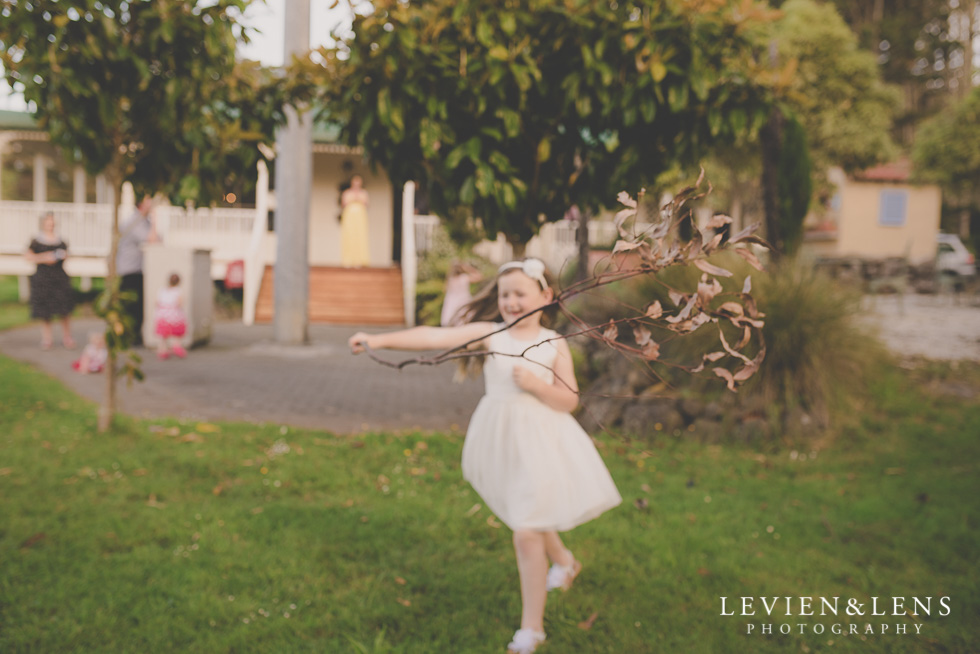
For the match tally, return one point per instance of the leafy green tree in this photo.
(837, 92)
(914, 49)
(794, 182)
(517, 110)
(140, 91)
(946, 153)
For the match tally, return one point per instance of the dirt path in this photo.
(939, 327)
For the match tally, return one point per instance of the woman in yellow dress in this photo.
(354, 225)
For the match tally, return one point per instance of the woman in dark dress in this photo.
(51, 292)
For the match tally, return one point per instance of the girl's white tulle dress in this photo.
(535, 467)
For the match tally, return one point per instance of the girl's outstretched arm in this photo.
(422, 338)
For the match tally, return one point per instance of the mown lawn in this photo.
(184, 537)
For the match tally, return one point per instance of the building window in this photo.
(892, 208)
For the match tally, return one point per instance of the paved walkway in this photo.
(244, 375)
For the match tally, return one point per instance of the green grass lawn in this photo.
(12, 311)
(185, 537)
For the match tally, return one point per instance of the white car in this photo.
(953, 258)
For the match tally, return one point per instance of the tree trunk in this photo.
(771, 138)
(108, 409)
(584, 248)
(964, 224)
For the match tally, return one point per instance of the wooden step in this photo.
(344, 296)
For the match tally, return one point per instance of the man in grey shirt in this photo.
(138, 229)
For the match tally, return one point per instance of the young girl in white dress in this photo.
(524, 453)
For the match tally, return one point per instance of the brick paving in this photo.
(242, 374)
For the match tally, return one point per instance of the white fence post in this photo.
(254, 261)
(409, 256)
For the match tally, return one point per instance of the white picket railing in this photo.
(87, 228)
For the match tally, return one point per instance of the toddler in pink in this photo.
(170, 321)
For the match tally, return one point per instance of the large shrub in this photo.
(818, 355)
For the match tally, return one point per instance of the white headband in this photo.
(533, 268)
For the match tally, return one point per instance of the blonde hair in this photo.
(484, 307)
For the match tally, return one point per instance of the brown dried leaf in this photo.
(691, 324)
(746, 337)
(611, 332)
(752, 367)
(711, 269)
(685, 312)
(642, 335)
(404, 602)
(747, 284)
(695, 244)
(732, 308)
(654, 311)
(651, 351)
(713, 244)
(621, 217)
(707, 290)
(753, 260)
(676, 297)
(718, 220)
(626, 246)
(728, 348)
(625, 199)
(727, 376)
(587, 624)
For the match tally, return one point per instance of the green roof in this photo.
(16, 120)
(10, 119)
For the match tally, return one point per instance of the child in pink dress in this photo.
(170, 321)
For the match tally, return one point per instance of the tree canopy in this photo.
(514, 110)
(836, 92)
(143, 91)
(946, 151)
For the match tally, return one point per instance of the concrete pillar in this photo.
(409, 256)
(78, 186)
(40, 178)
(294, 179)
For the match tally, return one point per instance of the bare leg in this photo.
(532, 565)
(556, 549)
(46, 337)
(66, 338)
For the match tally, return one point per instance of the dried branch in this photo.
(654, 248)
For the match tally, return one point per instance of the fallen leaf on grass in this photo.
(207, 427)
(257, 510)
(33, 540)
(474, 509)
(491, 521)
(585, 625)
(403, 602)
(5, 471)
(192, 437)
(704, 572)
(152, 502)
(641, 503)
(400, 581)
(895, 471)
(140, 472)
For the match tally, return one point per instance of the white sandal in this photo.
(525, 641)
(562, 576)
